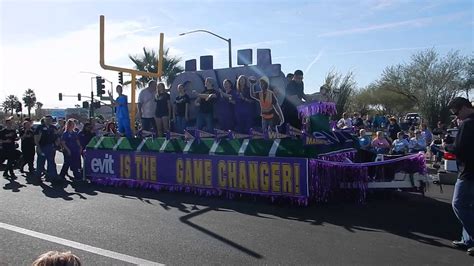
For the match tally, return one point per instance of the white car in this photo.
(449, 159)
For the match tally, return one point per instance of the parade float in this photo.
(302, 166)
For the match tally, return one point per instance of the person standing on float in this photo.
(181, 110)
(205, 102)
(225, 105)
(121, 112)
(244, 106)
(294, 96)
(268, 103)
(72, 151)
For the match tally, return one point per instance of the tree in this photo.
(376, 97)
(148, 62)
(39, 106)
(339, 89)
(29, 100)
(428, 81)
(468, 76)
(10, 104)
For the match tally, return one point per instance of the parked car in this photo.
(449, 159)
(412, 118)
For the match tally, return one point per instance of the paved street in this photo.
(118, 226)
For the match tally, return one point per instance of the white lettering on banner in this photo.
(103, 166)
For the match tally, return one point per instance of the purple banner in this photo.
(273, 176)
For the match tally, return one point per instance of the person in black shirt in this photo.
(294, 96)
(205, 103)
(8, 138)
(463, 148)
(181, 109)
(393, 129)
(163, 110)
(45, 140)
(27, 147)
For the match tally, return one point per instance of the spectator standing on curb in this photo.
(121, 112)
(463, 148)
(147, 106)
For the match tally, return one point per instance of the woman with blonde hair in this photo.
(245, 111)
(163, 109)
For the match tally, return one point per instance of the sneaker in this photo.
(459, 244)
(470, 251)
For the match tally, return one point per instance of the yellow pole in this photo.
(133, 102)
(160, 57)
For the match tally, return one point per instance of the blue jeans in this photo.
(49, 153)
(463, 207)
(179, 124)
(205, 118)
(266, 123)
(124, 127)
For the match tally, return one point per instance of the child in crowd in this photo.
(344, 122)
(400, 145)
(364, 140)
(380, 143)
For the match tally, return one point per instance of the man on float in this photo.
(294, 97)
(121, 112)
(268, 103)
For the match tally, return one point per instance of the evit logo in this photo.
(103, 166)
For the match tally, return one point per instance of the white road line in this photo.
(77, 245)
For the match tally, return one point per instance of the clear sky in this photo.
(46, 44)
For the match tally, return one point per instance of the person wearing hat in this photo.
(8, 137)
(463, 148)
(268, 103)
(294, 96)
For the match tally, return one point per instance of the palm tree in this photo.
(148, 62)
(29, 100)
(10, 104)
(39, 106)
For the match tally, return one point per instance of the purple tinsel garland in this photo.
(313, 108)
(327, 176)
(131, 183)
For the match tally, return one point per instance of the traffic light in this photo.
(60, 96)
(85, 105)
(79, 97)
(120, 78)
(100, 86)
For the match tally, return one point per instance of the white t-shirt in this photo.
(147, 99)
(344, 123)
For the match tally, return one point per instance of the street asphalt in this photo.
(392, 228)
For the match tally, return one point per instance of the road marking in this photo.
(77, 245)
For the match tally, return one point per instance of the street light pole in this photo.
(229, 41)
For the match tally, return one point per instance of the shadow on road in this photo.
(423, 219)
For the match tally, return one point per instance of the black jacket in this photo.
(464, 148)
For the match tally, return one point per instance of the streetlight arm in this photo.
(206, 31)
